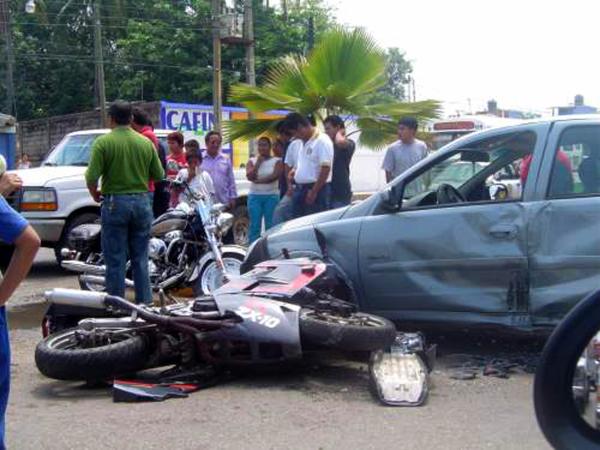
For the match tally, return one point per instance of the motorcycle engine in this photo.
(156, 249)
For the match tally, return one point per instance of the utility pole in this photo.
(310, 34)
(6, 29)
(99, 63)
(217, 101)
(250, 59)
(284, 7)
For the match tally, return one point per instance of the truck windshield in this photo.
(72, 151)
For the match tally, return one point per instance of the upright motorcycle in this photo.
(185, 249)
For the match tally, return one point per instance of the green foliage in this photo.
(153, 50)
(345, 74)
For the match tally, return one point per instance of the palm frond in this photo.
(261, 99)
(351, 60)
(248, 129)
(425, 109)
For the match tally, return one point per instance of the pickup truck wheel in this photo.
(241, 226)
(74, 222)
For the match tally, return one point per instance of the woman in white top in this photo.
(263, 172)
(199, 180)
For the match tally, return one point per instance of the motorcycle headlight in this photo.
(225, 222)
(399, 374)
(38, 199)
(400, 379)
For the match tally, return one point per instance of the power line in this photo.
(88, 25)
(191, 20)
(91, 59)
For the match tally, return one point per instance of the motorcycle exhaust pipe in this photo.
(72, 297)
(81, 267)
(95, 279)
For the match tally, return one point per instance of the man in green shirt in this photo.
(125, 161)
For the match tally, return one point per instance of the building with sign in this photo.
(578, 107)
(194, 121)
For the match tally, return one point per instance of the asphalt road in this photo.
(323, 404)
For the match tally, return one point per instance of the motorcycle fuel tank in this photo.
(170, 221)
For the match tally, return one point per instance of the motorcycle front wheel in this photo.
(67, 356)
(356, 332)
(211, 277)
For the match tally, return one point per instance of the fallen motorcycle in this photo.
(185, 249)
(271, 314)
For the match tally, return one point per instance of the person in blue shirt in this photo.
(14, 230)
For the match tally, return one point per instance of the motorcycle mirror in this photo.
(399, 376)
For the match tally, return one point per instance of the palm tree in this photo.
(340, 76)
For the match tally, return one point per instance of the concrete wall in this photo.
(38, 137)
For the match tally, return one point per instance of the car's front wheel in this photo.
(80, 219)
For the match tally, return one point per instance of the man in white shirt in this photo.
(312, 173)
(283, 212)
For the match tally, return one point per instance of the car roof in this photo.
(99, 131)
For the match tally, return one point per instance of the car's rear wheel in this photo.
(241, 226)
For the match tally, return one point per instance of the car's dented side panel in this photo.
(469, 258)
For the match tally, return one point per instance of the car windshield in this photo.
(73, 150)
(456, 173)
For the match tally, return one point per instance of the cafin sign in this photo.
(194, 121)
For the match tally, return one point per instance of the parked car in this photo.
(462, 255)
(55, 198)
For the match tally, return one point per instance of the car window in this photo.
(473, 170)
(72, 151)
(576, 166)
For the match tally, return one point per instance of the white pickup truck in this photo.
(55, 198)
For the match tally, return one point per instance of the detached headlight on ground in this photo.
(38, 199)
(399, 375)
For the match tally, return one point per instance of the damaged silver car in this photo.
(477, 251)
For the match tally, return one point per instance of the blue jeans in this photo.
(335, 204)
(259, 207)
(4, 372)
(283, 211)
(126, 222)
(299, 206)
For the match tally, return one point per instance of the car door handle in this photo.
(504, 231)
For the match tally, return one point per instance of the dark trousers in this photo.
(126, 222)
(299, 206)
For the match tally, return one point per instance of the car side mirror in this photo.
(390, 199)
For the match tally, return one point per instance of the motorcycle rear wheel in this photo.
(61, 356)
(357, 332)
